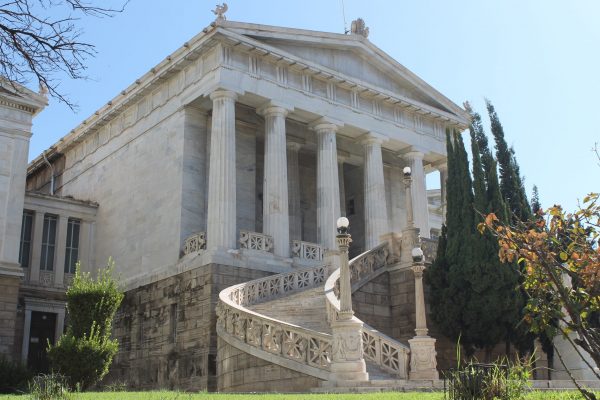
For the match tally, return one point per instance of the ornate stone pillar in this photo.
(376, 221)
(294, 190)
(347, 364)
(276, 220)
(423, 361)
(328, 189)
(419, 191)
(443, 169)
(221, 224)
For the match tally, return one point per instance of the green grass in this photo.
(164, 395)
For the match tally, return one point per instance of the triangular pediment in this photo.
(351, 56)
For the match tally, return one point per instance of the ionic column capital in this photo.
(370, 138)
(293, 145)
(223, 94)
(440, 165)
(273, 109)
(413, 155)
(325, 124)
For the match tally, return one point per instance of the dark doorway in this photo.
(43, 327)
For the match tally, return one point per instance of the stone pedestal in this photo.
(347, 364)
(422, 358)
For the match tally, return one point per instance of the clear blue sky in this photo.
(538, 61)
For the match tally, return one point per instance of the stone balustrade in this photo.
(195, 243)
(387, 353)
(429, 247)
(308, 350)
(48, 279)
(307, 250)
(256, 241)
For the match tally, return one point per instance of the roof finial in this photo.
(358, 28)
(220, 11)
(43, 89)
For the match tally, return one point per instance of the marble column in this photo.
(376, 221)
(276, 221)
(419, 192)
(221, 224)
(342, 157)
(293, 148)
(443, 169)
(328, 189)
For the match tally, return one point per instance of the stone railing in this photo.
(364, 265)
(429, 247)
(256, 241)
(389, 354)
(294, 347)
(307, 250)
(195, 243)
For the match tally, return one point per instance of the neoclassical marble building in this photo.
(228, 163)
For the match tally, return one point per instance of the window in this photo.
(48, 243)
(25, 245)
(72, 249)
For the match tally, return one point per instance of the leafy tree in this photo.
(555, 249)
(511, 183)
(36, 46)
(85, 352)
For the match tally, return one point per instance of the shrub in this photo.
(49, 387)
(13, 376)
(85, 352)
(84, 360)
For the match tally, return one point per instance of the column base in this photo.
(423, 361)
(11, 269)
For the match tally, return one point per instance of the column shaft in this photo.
(419, 192)
(328, 189)
(294, 191)
(376, 222)
(221, 224)
(61, 248)
(36, 246)
(342, 187)
(443, 169)
(275, 190)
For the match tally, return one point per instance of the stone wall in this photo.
(166, 330)
(402, 303)
(9, 292)
(371, 303)
(242, 372)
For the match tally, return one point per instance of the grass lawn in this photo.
(163, 395)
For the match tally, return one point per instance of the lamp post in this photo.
(347, 362)
(343, 241)
(410, 223)
(423, 363)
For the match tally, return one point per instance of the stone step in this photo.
(306, 309)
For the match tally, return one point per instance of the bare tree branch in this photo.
(34, 47)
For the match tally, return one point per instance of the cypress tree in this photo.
(511, 182)
(535, 201)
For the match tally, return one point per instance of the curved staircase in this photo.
(285, 319)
